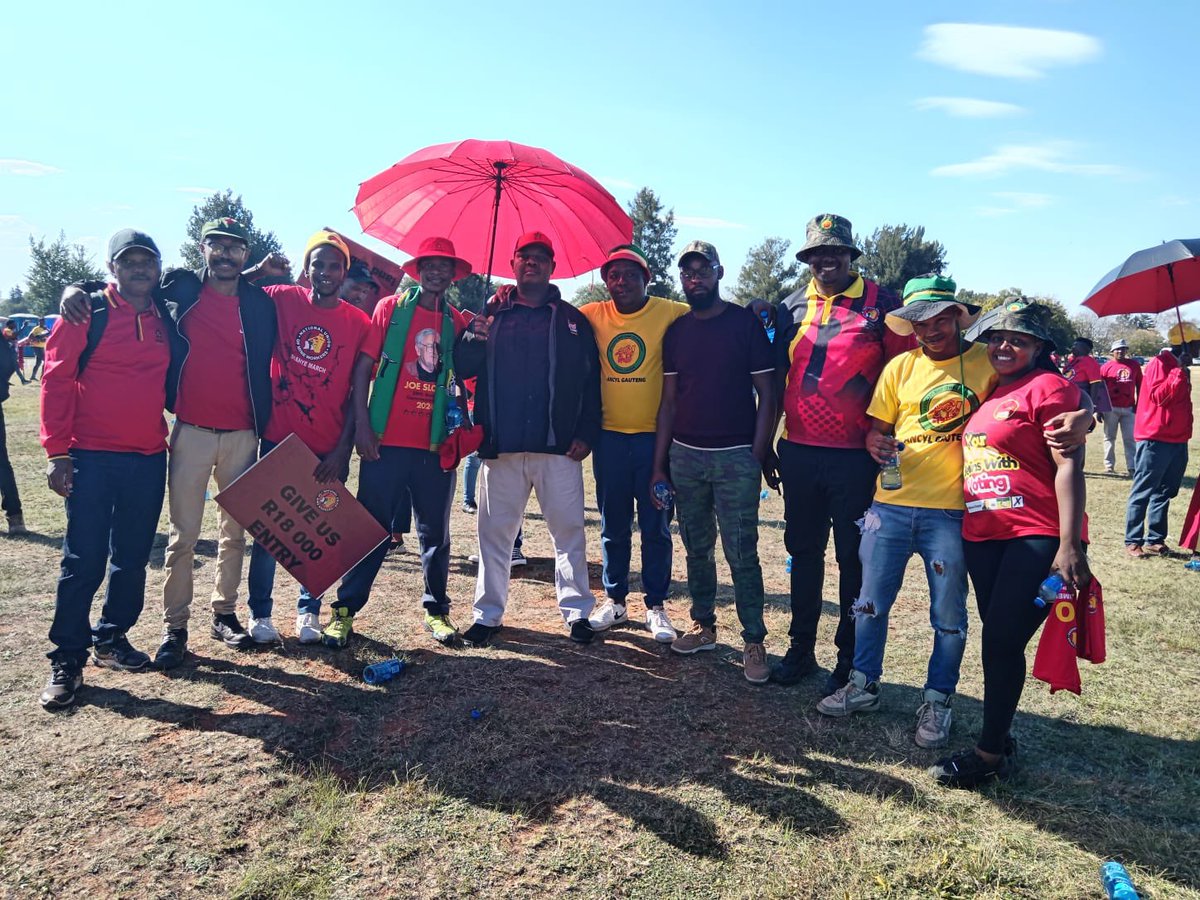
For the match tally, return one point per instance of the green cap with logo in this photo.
(225, 227)
(1022, 316)
(828, 230)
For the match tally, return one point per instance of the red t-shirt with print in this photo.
(412, 404)
(311, 367)
(214, 391)
(1083, 371)
(1008, 472)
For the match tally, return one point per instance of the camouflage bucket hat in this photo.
(828, 230)
(1021, 316)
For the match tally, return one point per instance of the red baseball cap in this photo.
(437, 247)
(534, 237)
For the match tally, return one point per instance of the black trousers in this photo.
(824, 488)
(1006, 576)
(8, 481)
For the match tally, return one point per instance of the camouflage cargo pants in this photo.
(720, 488)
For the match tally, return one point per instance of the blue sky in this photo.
(1041, 142)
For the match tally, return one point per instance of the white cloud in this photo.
(619, 184)
(706, 222)
(1049, 156)
(196, 190)
(26, 167)
(969, 107)
(1015, 201)
(1005, 51)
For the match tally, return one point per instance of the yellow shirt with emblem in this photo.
(631, 367)
(928, 402)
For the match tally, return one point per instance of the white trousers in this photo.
(503, 492)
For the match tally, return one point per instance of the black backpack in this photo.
(96, 326)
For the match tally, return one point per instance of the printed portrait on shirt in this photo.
(427, 357)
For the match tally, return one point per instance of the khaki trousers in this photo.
(196, 455)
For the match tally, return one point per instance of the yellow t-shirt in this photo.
(924, 400)
(631, 367)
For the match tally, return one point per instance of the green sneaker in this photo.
(441, 628)
(341, 626)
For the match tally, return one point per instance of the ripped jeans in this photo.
(890, 536)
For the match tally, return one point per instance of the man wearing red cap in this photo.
(538, 400)
(400, 431)
(320, 337)
(629, 335)
(219, 388)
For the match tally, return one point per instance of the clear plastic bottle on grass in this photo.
(1117, 883)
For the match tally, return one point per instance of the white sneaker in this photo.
(262, 631)
(660, 626)
(308, 628)
(609, 613)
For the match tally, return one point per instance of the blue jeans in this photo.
(622, 464)
(720, 487)
(384, 486)
(470, 477)
(890, 536)
(260, 581)
(1157, 474)
(112, 515)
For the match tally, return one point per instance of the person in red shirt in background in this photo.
(320, 337)
(102, 428)
(1082, 369)
(398, 434)
(1162, 428)
(1024, 519)
(1123, 378)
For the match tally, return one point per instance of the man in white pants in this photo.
(538, 401)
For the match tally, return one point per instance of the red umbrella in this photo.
(486, 194)
(1153, 280)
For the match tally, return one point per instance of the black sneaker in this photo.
(582, 632)
(967, 769)
(227, 628)
(172, 650)
(479, 635)
(119, 654)
(65, 679)
(795, 665)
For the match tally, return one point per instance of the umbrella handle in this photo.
(499, 166)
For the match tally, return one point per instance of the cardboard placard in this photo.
(316, 532)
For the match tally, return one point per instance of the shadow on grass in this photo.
(535, 722)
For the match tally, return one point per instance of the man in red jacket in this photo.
(1162, 428)
(103, 431)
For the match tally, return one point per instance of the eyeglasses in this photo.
(698, 273)
(228, 248)
(1017, 343)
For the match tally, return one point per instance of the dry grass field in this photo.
(610, 770)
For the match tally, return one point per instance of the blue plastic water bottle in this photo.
(385, 670)
(763, 495)
(1048, 590)
(663, 493)
(1192, 565)
(788, 565)
(1117, 883)
(454, 418)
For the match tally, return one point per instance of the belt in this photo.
(213, 430)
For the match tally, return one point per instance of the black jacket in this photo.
(179, 291)
(574, 377)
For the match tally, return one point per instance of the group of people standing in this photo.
(677, 403)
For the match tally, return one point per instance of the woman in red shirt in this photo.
(1024, 519)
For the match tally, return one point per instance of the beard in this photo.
(702, 300)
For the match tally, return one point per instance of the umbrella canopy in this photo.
(1153, 280)
(484, 195)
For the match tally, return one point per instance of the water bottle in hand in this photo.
(1048, 591)
(889, 477)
